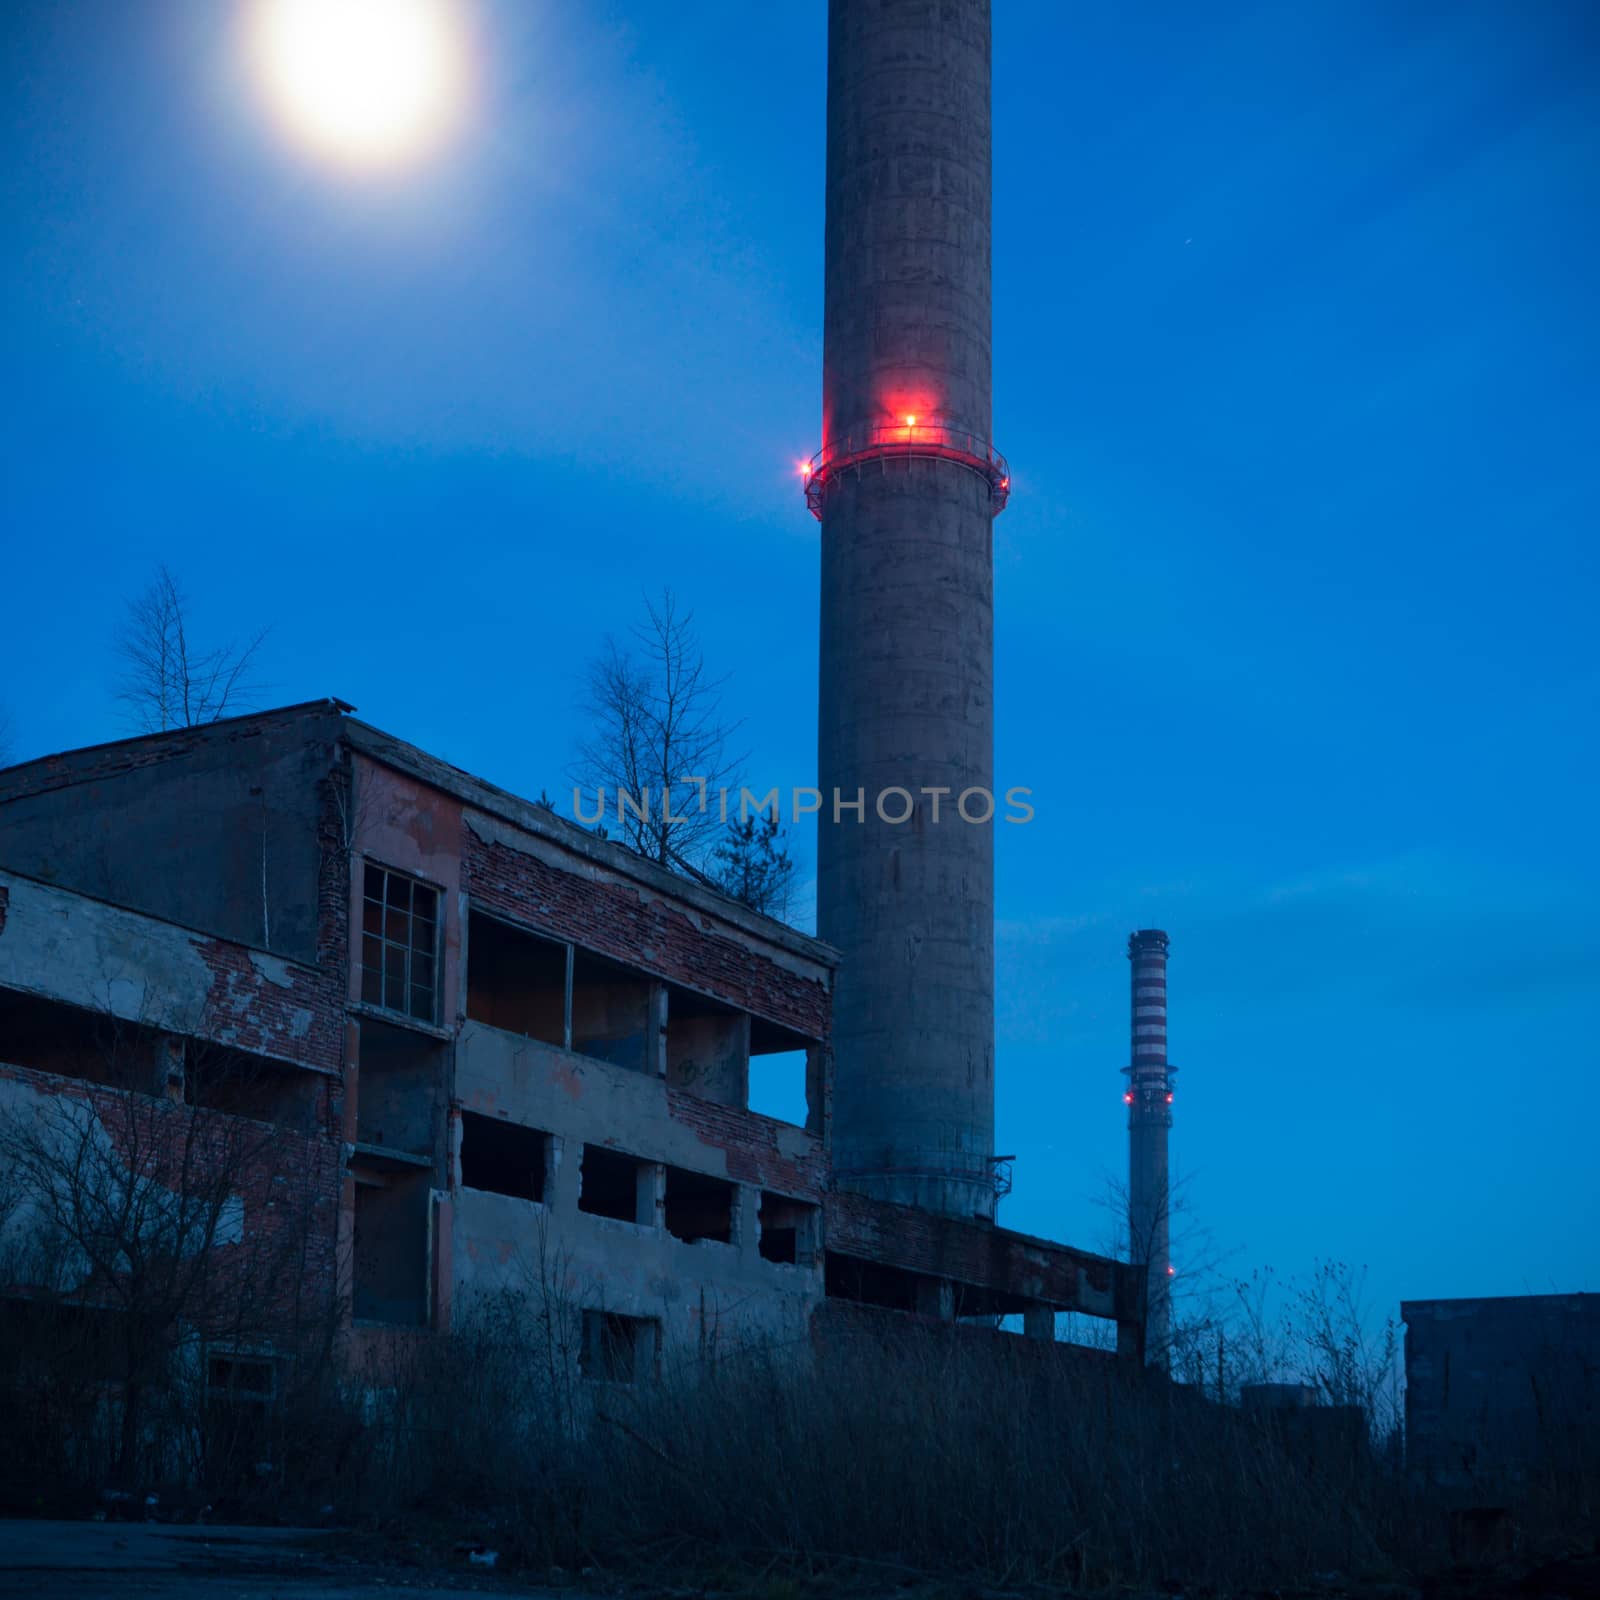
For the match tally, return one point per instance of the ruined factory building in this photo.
(1501, 1393)
(492, 1041)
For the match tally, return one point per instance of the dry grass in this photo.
(888, 1454)
(968, 1457)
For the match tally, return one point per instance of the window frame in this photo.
(232, 1392)
(408, 948)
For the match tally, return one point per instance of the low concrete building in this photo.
(1502, 1393)
(526, 1053)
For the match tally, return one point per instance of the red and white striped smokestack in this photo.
(1149, 1098)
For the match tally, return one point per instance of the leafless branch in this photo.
(166, 681)
(657, 737)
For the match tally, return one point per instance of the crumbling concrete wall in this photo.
(708, 1054)
(148, 1171)
(215, 828)
(695, 1292)
(955, 1250)
(538, 885)
(1501, 1391)
(122, 1008)
(125, 967)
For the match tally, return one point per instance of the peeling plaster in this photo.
(86, 953)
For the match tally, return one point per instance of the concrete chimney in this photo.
(906, 486)
(1149, 1100)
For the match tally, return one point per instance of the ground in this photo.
(129, 1561)
(124, 1560)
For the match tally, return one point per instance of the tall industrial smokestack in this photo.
(906, 485)
(1149, 1097)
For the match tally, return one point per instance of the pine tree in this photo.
(753, 864)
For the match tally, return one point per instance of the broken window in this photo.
(502, 1157)
(618, 1349)
(699, 1207)
(783, 1074)
(516, 980)
(611, 1184)
(391, 1247)
(788, 1230)
(708, 1048)
(610, 1011)
(399, 944)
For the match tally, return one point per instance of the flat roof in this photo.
(47, 772)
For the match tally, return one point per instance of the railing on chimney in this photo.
(909, 440)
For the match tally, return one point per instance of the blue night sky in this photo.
(1296, 365)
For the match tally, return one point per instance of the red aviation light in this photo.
(1171, 1271)
(1169, 1097)
(1127, 1099)
(912, 435)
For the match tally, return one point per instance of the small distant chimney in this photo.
(1149, 1098)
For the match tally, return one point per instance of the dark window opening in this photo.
(783, 1074)
(788, 1230)
(502, 1157)
(610, 1011)
(244, 1085)
(516, 980)
(618, 1349)
(70, 1042)
(611, 1184)
(871, 1283)
(698, 1207)
(51, 1036)
(399, 944)
(240, 1379)
(971, 1300)
(399, 1083)
(391, 1249)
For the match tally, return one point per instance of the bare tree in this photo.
(657, 750)
(1351, 1356)
(1182, 1322)
(129, 1247)
(167, 681)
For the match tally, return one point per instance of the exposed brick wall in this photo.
(288, 1184)
(620, 922)
(754, 1146)
(251, 1011)
(965, 1252)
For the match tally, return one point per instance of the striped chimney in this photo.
(1149, 1099)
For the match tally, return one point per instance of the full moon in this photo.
(367, 84)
